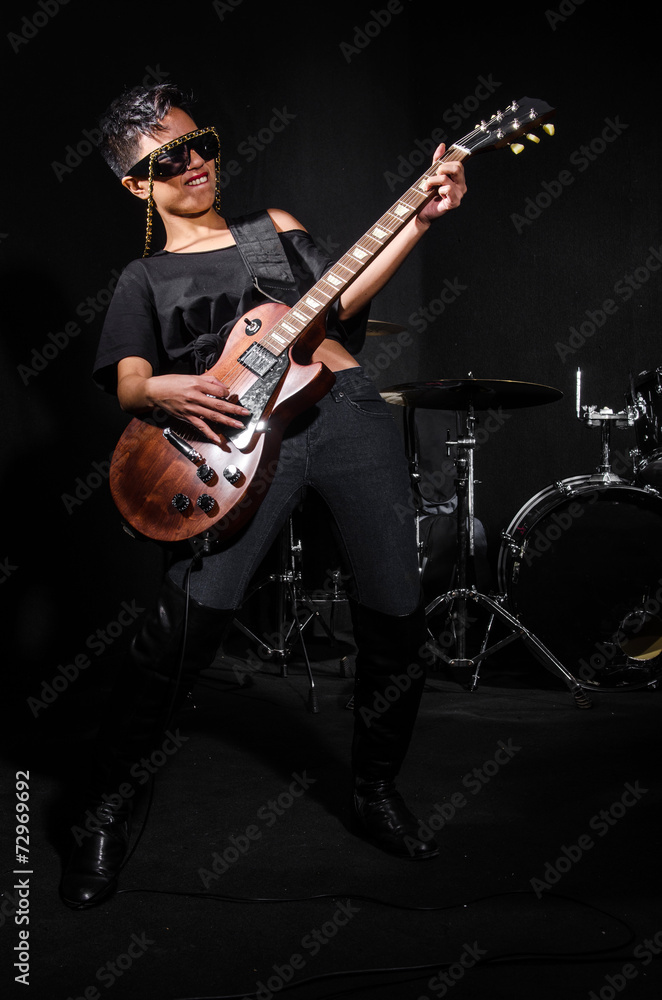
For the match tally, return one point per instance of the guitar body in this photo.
(218, 488)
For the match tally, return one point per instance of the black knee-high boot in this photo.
(158, 673)
(390, 677)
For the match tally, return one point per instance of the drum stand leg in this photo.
(518, 632)
(462, 593)
(289, 599)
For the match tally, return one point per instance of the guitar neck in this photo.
(330, 287)
(519, 118)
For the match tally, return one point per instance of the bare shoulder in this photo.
(283, 221)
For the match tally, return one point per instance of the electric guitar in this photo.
(171, 483)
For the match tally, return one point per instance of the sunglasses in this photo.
(174, 157)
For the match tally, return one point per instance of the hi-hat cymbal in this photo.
(376, 328)
(461, 393)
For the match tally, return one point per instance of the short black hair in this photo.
(137, 112)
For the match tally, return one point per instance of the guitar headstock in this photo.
(520, 118)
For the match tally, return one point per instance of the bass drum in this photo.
(581, 566)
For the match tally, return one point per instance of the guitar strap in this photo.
(262, 252)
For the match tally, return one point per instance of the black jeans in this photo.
(347, 448)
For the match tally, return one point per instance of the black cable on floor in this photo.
(587, 956)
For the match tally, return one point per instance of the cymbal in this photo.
(461, 393)
(376, 328)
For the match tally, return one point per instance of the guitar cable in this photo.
(167, 715)
(419, 971)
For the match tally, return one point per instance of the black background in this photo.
(360, 97)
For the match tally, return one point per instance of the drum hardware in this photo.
(604, 418)
(600, 519)
(295, 610)
(465, 396)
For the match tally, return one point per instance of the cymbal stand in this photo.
(462, 593)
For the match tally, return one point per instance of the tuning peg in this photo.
(549, 129)
(516, 147)
(532, 138)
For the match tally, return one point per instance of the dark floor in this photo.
(247, 883)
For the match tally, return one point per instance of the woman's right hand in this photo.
(199, 399)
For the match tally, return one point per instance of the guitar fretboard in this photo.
(331, 286)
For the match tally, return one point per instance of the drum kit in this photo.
(580, 565)
(579, 571)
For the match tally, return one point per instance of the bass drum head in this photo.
(581, 565)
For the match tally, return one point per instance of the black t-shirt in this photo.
(165, 303)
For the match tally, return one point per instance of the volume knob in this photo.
(205, 473)
(180, 502)
(205, 502)
(231, 473)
